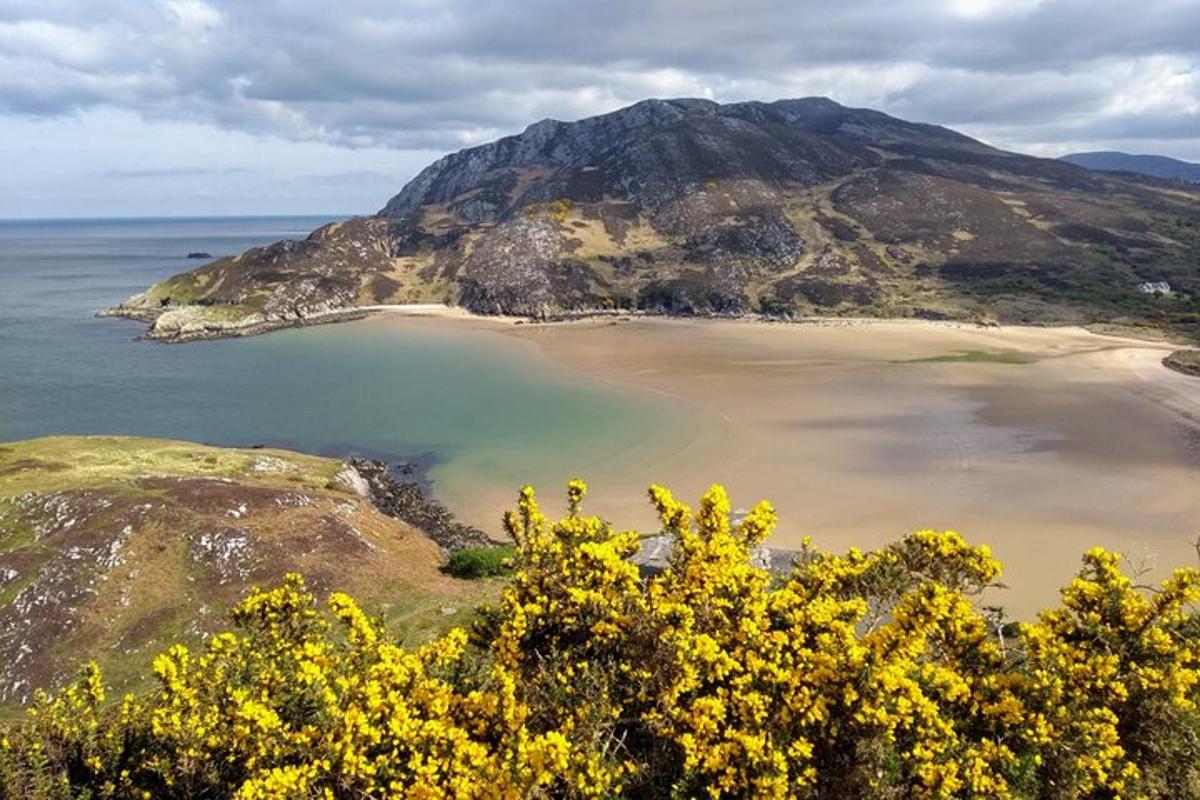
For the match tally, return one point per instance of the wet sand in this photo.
(857, 440)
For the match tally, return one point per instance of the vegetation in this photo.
(82, 462)
(864, 675)
(481, 562)
(120, 546)
(1185, 361)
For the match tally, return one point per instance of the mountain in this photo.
(112, 547)
(1171, 169)
(795, 207)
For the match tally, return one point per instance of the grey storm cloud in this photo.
(440, 74)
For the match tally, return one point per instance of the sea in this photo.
(459, 406)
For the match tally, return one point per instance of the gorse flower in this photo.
(862, 675)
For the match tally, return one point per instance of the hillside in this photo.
(110, 547)
(873, 675)
(1171, 169)
(795, 207)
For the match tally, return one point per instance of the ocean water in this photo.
(469, 406)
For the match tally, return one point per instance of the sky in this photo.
(211, 107)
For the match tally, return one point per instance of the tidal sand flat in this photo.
(1042, 442)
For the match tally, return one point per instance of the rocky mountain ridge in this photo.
(791, 208)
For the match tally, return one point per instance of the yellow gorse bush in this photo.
(863, 675)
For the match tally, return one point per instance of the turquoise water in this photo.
(471, 406)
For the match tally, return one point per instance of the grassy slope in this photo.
(1185, 361)
(112, 546)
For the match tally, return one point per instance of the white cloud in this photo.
(1156, 83)
(978, 9)
(194, 15)
(56, 43)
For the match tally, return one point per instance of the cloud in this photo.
(441, 74)
(172, 172)
(193, 15)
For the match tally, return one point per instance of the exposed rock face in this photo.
(510, 271)
(651, 154)
(689, 206)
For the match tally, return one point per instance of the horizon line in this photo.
(165, 217)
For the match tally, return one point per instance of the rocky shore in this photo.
(191, 323)
(406, 501)
(194, 323)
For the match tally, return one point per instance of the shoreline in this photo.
(861, 430)
(208, 330)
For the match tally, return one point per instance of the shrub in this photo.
(1185, 361)
(481, 562)
(863, 675)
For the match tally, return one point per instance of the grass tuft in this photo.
(1185, 361)
(482, 562)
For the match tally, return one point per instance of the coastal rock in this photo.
(353, 480)
(406, 501)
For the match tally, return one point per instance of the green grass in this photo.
(14, 533)
(1185, 361)
(976, 357)
(56, 463)
(481, 562)
(13, 589)
(414, 617)
(182, 289)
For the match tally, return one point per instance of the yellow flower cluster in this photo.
(863, 675)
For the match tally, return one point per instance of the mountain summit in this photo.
(793, 207)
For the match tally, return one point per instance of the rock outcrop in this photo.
(408, 502)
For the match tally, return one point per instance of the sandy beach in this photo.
(1041, 442)
(857, 438)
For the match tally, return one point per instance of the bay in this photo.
(474, 409)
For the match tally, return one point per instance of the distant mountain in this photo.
(1171, 169)
(794, 207)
